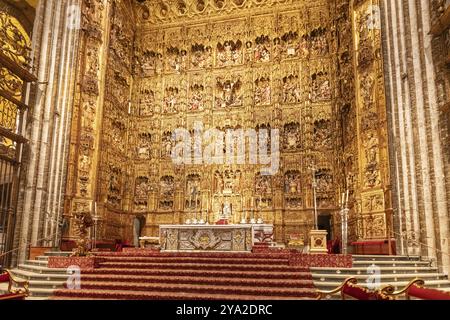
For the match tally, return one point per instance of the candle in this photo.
(201, 204)
(95, 208)
(196, 198)
(342, 199)
(129, 107)
(346, 200)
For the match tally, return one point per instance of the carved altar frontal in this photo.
(231, 238)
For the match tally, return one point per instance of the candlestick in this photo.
(346, 200)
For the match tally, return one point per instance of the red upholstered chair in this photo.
(350, 288)
(14, 294)
(416, 289)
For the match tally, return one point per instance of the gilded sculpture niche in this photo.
(228, 91)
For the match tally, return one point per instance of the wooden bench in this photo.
(14, 294)
(350, 288)
(415, 289)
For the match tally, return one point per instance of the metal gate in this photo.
(14, 75)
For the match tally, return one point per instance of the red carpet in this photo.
(193, 276)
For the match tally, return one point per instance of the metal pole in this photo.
(344, 229)
(314, 185)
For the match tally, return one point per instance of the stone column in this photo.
(421, 203)
(55, 45)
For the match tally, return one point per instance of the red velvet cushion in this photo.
(427, 293)
(4, 277)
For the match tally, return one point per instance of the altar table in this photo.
(222, 238)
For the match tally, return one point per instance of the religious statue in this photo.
(276, 49)
(290, 46)
(196, 101)
(146, 102)
(319, 44)
(143, 149)
(248, 55)
(291, 90)
(291, 136)
(183, 61)
(218, 182)
(229, 53)
(170, 100)
(371, 147)
(262, 91)
(321, 88)
(292, 182)
(201, 56)
(142, 188)
(147, 63)
(262, 184)
(82, 221)
(175, 59)
(159, 65)
(322, 134)
(167, 186)
(227, 211)
(228, 92)
(262, 53)
(167, 143)
(304, 46)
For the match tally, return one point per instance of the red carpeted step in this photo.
(190, 288)
(197, 266)
(142, 295)
(203, 273)
(204, 260)
(261, 282)
(156, 275)
(233, 255)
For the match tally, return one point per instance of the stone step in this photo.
(199, 266)
(42, 258)
(196, 260)
(37, 298)
(58, 253)
(357, 257)
(391, 263)
(383, 269)
(47, 284)
(41, 292)
(42, 263)
(383, 277)
(41, 269)
(30, 275)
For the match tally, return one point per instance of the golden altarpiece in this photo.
(311, 69)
